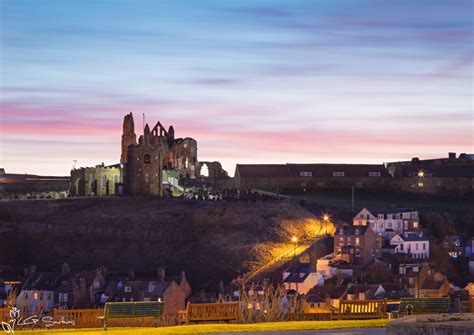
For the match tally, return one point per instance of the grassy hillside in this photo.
(210, 241)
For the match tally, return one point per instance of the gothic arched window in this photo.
(104, 180)
(147, 159)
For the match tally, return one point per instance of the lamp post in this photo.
(326, 220)
(294, 239)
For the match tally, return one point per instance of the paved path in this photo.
(360, 331)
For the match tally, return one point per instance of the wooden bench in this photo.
(225, 311)
(116, 310)
(323, 316)
(423, 305)
(363, 309)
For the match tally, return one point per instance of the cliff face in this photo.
(210, 241)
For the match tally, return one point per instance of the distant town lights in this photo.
(294, 239)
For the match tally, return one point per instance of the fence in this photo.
(364, 309)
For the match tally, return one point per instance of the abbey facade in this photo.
(151, 166)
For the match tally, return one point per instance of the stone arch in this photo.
(204, 171)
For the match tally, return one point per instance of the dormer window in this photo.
(128, 289)
(338, 174)
(306, 174)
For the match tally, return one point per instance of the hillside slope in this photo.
(211, 241)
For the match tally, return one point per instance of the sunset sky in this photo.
(252, 81)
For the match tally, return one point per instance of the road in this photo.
(360, 331)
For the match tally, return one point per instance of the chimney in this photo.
(161, 273)
(452, 156)
(415, 160)
(65, 270)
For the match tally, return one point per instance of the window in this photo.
(128, 289)
(91, 181)
(361, 296)
(35, 295)
(374, 174)
(401, 246)
(96, 284)
(338, 174)
(147, 159)
(357, 241)
(65, 297)
(420, 184)
(104, 181)
(415, 224)
(357, 252)
(306, 174)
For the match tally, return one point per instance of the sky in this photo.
(252, 81)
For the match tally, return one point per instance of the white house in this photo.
(323, 265)
(37, 293)
(388, 224)
(301, 279)
(411, 243)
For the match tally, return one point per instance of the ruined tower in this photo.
(128, 136)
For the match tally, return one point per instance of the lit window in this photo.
(357, 241)
(36, 296)
(374, 174)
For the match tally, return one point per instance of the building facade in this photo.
(413, 244)
(357, 244)
(388, 224)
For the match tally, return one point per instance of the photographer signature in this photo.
(19, 321)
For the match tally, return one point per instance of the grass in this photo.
(220, 328)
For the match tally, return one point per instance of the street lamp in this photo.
(421, 173)
(294, 239)
(326, 220)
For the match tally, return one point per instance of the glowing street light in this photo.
(326, 220)
(294, 239)
(421, 173)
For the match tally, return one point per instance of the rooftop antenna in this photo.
(75, 161)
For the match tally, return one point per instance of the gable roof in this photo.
(334, 292)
